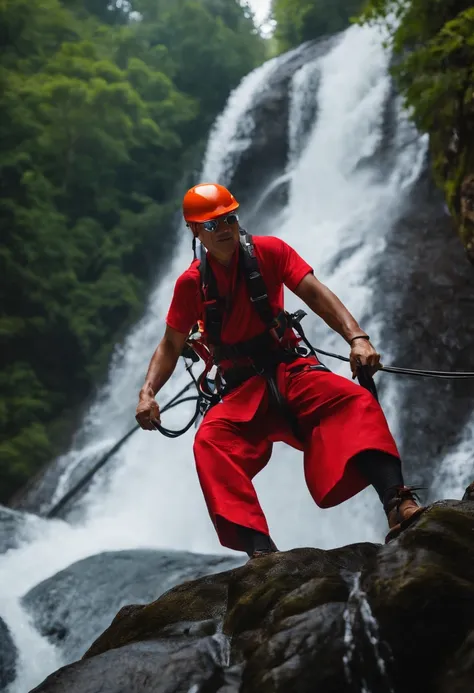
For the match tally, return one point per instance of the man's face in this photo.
(222, 241)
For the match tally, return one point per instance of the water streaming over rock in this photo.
(347, 167)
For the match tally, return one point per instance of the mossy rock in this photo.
(397, 618)
(422, 590)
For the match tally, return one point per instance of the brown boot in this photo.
(261, 554)
(401, 510)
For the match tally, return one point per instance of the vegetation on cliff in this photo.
(105, 107)
(433, 45)
(302, 20)
(433, 41)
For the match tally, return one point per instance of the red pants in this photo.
(337, 419)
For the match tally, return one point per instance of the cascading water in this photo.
(339, 209)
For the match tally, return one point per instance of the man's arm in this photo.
(162, 364)
(327, 305)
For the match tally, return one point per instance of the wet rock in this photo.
(8, 656)
(396, 618)
(16, 527)
(459, 673)
(467, 215)
(422, 593)
(64, 607)
(262, 163)
(193, 665)
(425, 293)
(11, 523)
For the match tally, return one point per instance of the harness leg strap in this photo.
(282, 404)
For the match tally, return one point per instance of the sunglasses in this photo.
(212, 225)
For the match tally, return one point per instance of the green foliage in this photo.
(102, 112)
(303, 20)
(434, 41)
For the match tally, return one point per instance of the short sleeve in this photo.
(183, 312)
(290, 267)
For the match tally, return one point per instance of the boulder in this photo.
(365, 617)
(8, 656)
(74, 606)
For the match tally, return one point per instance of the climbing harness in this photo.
(260, 355)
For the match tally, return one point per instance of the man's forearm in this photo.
(162, 365)
(326, 304)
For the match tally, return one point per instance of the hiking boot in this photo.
(402, 510)
(260, 554)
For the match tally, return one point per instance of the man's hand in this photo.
(364, 354)
(148, 413)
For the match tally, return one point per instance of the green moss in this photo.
(434, 73)
(255, 604)
(199, 600)
(312, 594)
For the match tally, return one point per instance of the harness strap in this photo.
(257, 348)
(263, 350)
(255, 283)
(215, 305)
(212, 302)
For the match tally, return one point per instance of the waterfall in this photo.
(340, 208)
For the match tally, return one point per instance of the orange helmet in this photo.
(207, 201)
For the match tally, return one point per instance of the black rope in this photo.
(175, 434)
(446, 375)
(364, 377)
(174, 402)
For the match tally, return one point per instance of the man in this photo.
(272, 392)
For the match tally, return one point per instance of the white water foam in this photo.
(456, 470)
(338, 215)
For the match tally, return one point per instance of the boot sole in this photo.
(398, 529)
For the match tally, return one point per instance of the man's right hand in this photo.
(148, 413)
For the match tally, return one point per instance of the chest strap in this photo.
(215, 306)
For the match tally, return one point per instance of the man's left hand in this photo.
(364, 354)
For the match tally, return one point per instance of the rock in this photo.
(195, 664)
(425, 292)
(64, 607)
(459, 672)
(8, 656)
(467, 215)
(422, 593)
(16, 527)
(11, 522)
(261, 163)
(396, 618)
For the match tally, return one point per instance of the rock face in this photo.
(8, 656)
(426, 293)
(16, 527)
(396, 618)
(64, 607)
(467, 214)
(259, 164)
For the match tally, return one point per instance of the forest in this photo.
(106, 112)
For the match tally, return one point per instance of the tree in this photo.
(434, 43)
(102, 114)
(303, 20)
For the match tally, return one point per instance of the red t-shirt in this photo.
(279, 264)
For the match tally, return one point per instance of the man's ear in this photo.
(194, 228)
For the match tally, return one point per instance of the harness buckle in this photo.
(259, 298)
